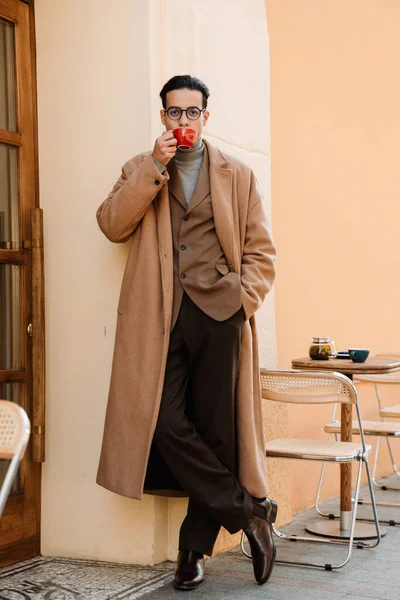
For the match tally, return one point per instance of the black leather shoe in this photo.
(190, 570)
(260, 536)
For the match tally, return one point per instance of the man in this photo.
(184, 411)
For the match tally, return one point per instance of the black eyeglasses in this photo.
(192, 113)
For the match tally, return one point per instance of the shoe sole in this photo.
(187, 588)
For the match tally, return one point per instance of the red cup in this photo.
(185, 136)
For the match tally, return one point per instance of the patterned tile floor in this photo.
(68, 579)
(371, 573)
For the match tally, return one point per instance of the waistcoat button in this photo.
(157, 182)
(186, 218)
(183, 247)
(183, 275)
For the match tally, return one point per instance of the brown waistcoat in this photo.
(200, 267)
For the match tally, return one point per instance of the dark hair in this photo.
(180, 82)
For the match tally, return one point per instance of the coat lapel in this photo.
(222, 204)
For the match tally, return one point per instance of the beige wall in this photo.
(88, 99)
(99, 74)
(335, 124)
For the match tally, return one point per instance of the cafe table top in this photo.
(372, 366)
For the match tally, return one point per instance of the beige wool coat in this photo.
(138, 209)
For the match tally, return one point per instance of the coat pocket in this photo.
(222, 268)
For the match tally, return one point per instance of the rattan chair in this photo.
(318, 388)
(380, 429)
(14, 436)
(385, 412)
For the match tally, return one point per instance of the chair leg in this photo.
(381, 487)
(381, 503)
(321, 478)
(391, 522)
(319, 511)
(395, 471)
(243, 549)
(332, 541)
(361, 501)
(317, 508)
(8, 480)
(394, 467)
(373, 502)
(378, 443)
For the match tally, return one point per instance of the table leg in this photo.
(345, 470)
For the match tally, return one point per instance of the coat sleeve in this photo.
(119, 215)
(258, 270)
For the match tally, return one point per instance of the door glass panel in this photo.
(11, 392)
(7, 77)
(9, 316)
(9, 230)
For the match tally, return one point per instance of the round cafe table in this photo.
(372, 366)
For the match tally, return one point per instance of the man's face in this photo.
(184, 99)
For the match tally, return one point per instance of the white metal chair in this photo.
(14, 436)
(318, 388)
(385, 412)
(380, 429)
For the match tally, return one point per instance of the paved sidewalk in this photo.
(371, 573)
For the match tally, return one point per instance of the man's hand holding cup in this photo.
(164, 148)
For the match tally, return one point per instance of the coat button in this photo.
(183, 247)
(186, 218)
(157, 182)
(183, 275)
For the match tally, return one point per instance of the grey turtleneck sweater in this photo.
(188, 163)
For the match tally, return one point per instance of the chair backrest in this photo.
(393, 377)
(307, 387)
(385, 378)
(14, 436)
(14, 429)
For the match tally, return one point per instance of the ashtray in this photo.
(343, 355)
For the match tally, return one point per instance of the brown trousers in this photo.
(196, 432)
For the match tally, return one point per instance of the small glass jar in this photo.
(322, 348)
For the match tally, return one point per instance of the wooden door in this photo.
(19, 254)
